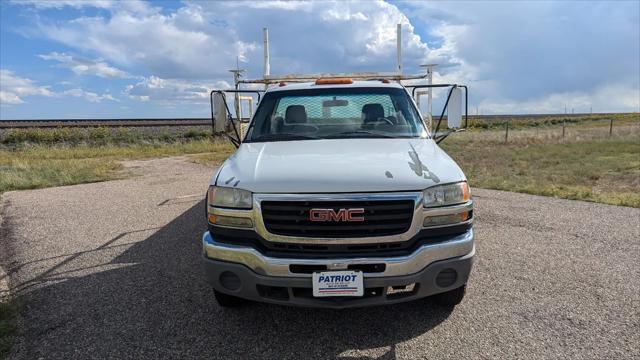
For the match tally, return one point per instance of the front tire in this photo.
(226, 300)
(451, 298)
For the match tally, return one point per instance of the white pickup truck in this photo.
(339, 196)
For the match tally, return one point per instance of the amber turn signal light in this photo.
(334, 81)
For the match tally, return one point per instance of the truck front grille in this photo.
(380, 218)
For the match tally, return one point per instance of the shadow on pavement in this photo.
(161, 307)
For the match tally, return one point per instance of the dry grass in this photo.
(32, 167)
(491, 122)
(595, 130)
(211, 159)
(586, 165)
(101, 135)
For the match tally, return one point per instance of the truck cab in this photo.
(338, 196)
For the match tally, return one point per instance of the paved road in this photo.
(111, 270)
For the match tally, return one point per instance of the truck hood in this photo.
(338, 165)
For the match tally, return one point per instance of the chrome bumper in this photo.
(461, 245)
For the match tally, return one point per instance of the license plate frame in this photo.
(338, 283)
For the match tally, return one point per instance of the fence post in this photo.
(506, 132)
(610, 127)
(563, 126)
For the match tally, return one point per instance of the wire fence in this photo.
(517, 130)
(497, 129)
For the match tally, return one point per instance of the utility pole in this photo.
(267, 62)
(399, 50)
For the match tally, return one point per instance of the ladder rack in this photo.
(275, 79)
(268, 80)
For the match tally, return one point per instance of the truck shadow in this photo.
(156, 304)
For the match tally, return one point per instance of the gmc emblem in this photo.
(340, 215)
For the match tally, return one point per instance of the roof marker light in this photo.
(332, 81)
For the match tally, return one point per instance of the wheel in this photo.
(226, 300)
(450, 298)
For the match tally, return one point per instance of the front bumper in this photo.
(246, 273)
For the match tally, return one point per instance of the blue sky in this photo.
(109, 59)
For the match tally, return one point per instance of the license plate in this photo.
(337, 283)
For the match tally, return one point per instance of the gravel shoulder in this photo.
(112, 270)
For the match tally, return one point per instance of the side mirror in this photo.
(220, 115)
(454, 112)
(220, 112)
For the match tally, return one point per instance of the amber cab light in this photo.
(333, 81)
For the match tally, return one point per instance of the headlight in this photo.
(229, 197)
(444, 195)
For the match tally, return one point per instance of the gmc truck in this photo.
(339, 196)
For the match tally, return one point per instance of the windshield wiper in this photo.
(282, 136)
(360, 132)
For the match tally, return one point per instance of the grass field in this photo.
(101, 135)
(38, 166)
(585, 164)
(488, 122)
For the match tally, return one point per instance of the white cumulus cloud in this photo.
(13, 88)
(87, 95)
(82, 66)
(172, 91)
(180, 44)
(539, 56)
(205, 39)
(516, 57)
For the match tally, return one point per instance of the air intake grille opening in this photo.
(273, 292)
(380, 218)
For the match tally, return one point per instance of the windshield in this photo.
(335, 113)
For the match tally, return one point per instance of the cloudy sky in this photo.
(109, 59)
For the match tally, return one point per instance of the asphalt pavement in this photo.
(112, 270)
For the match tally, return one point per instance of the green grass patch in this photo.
(523, 122)
(99, 135)
(20, 172)
(605, 170)
(40, 166)
(8, 327)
